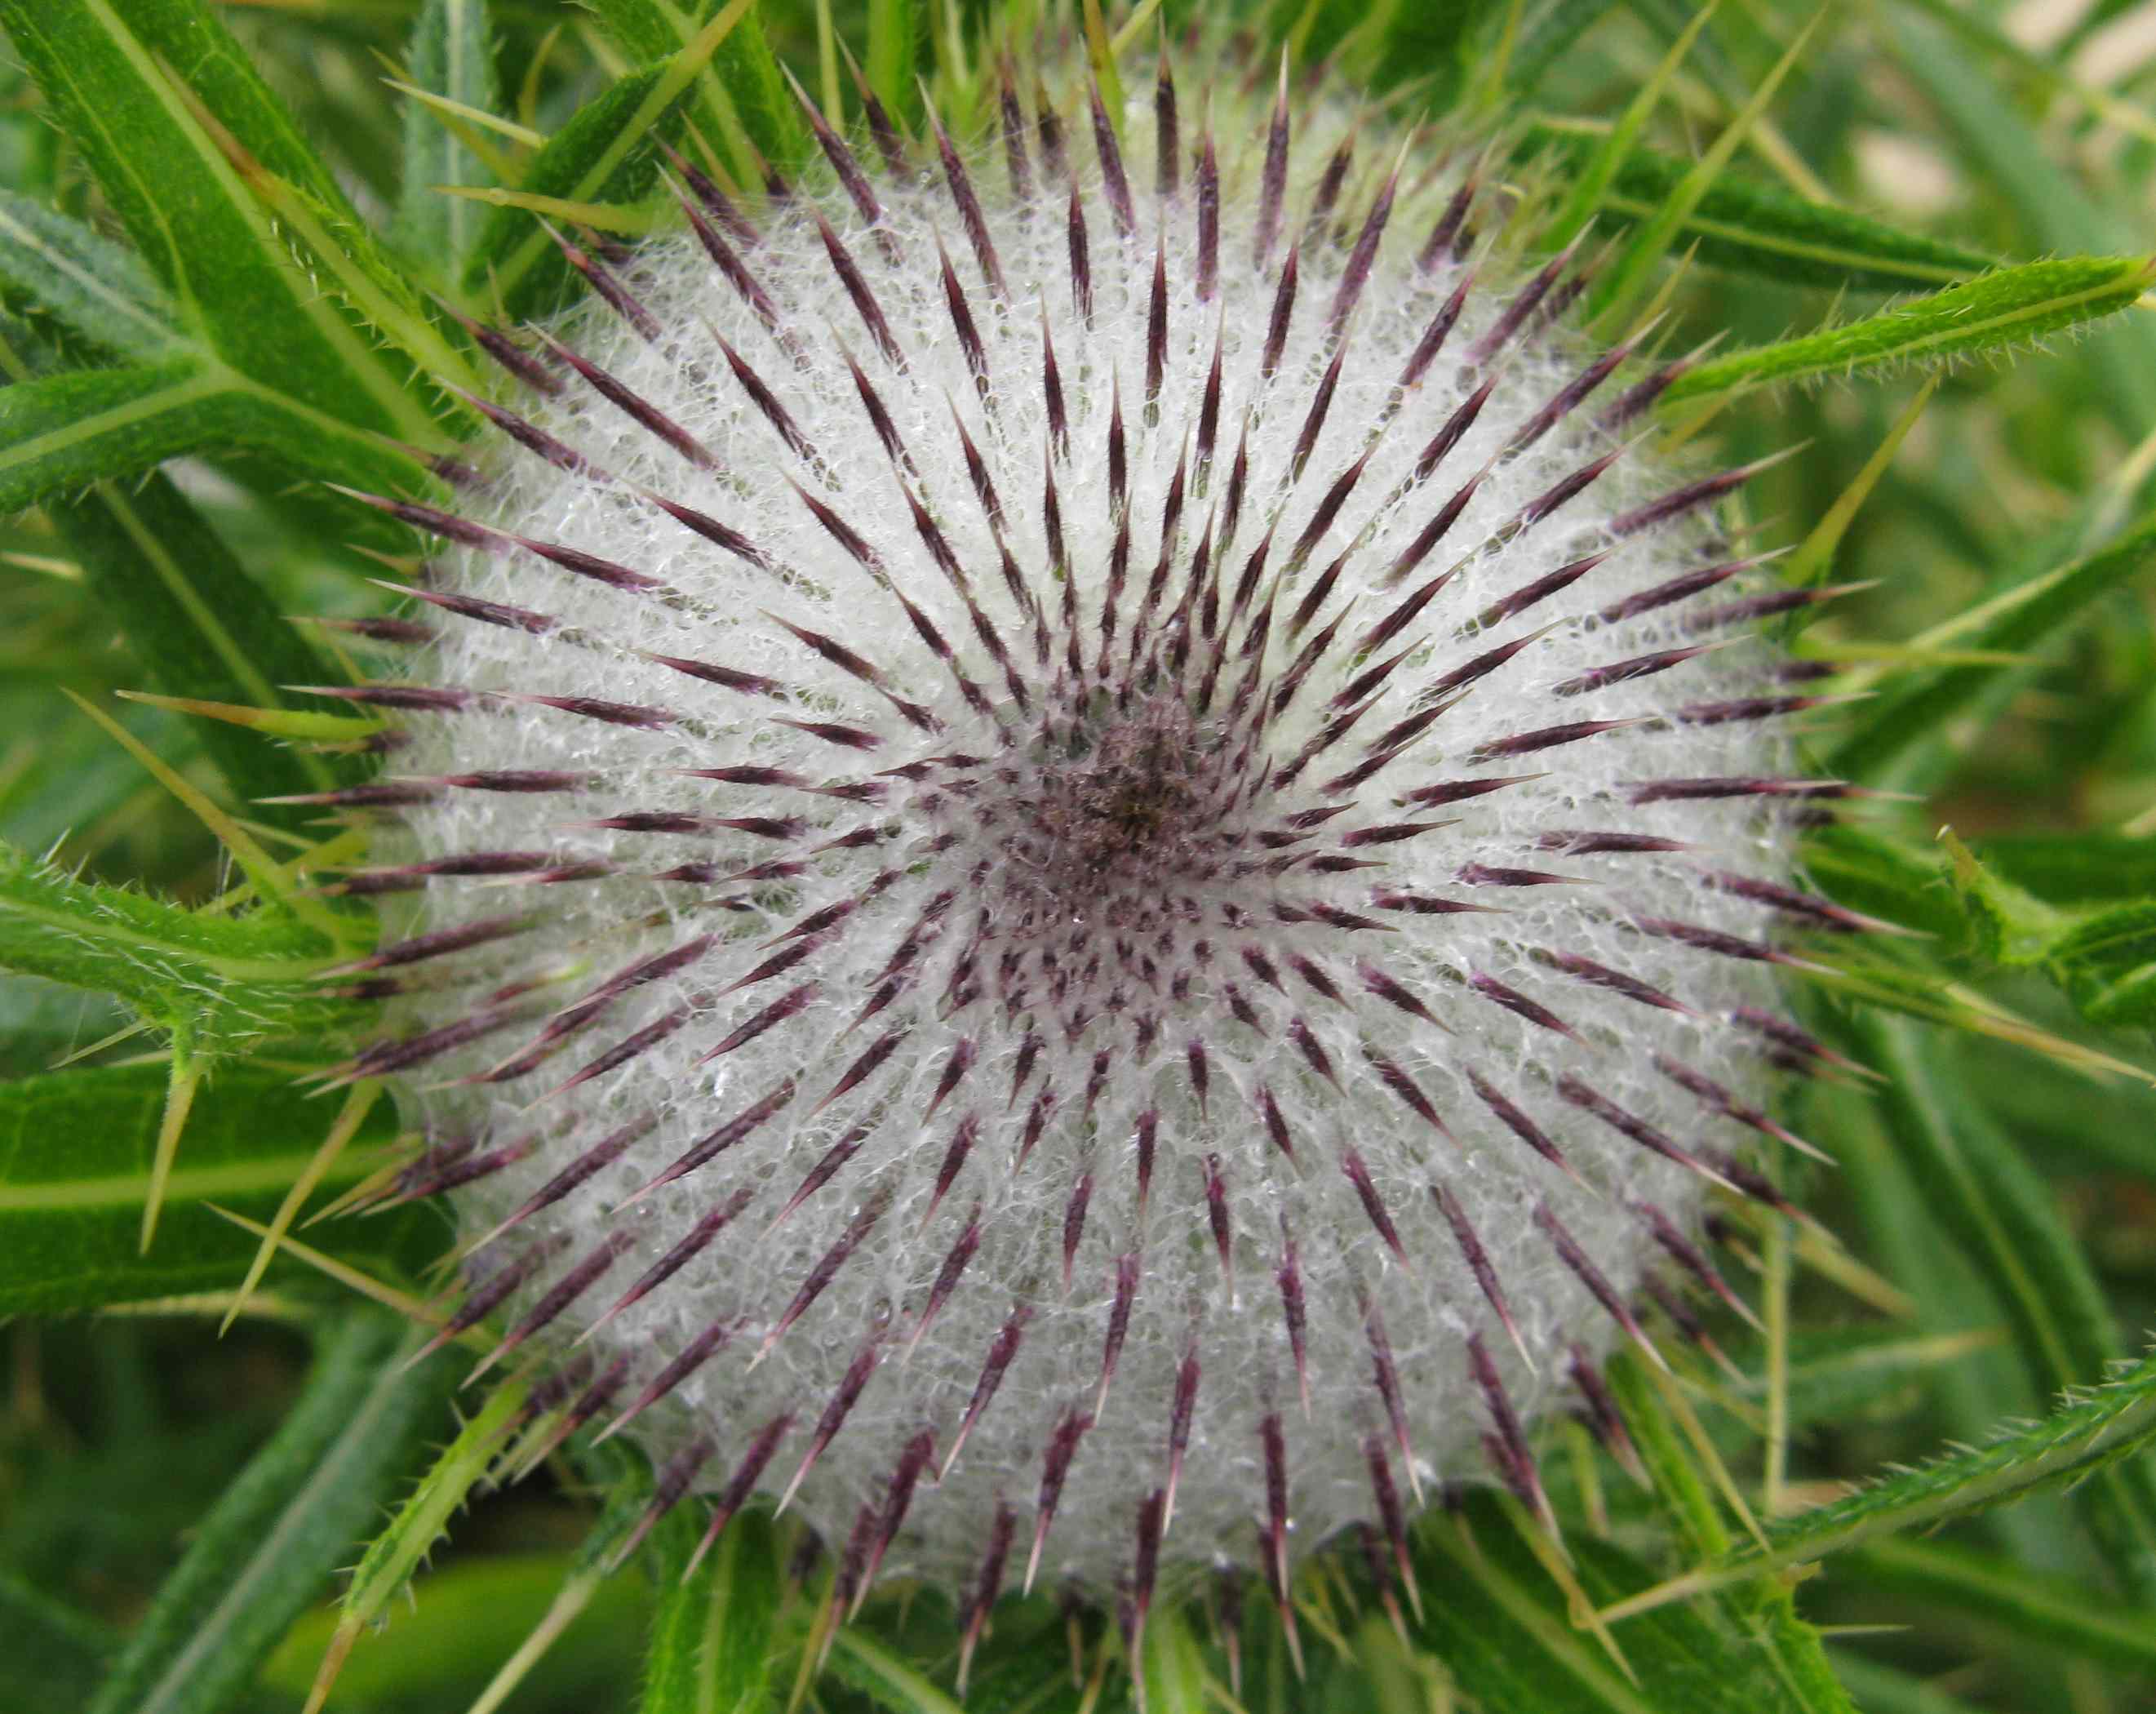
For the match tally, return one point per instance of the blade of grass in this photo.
(1607, 301)
(282, 1527)
(1906, 739)
(1608, 159)
(2045, 1611)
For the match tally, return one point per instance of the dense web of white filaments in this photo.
(1085, 861)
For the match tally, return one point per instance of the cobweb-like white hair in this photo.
(1088, 859)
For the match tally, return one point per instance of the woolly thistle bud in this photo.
(1087, 863)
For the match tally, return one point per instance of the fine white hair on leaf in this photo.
(1091, 799)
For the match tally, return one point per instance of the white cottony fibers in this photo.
(1063, 890)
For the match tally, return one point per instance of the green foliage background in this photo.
(1920, 228)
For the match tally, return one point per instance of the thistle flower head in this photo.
(1088, 858)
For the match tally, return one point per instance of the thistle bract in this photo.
(1088, 856)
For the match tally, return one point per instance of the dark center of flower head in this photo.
(1137, 789)
(1083, 897)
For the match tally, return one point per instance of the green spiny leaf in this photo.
(2010, 929)
(1503, 1632)
(1608, 160)
(452, 55)
(742, 89)
(599, 155)
(1962, 1401)
(711, 1650)
(137, 87)
(1435, 46)
(98, 291)
(1173, 1664)
(1749, 226)
(674, 1651)
(60, 431)
(75, 1163)
(1763, 1610)
(395, 1552)
(232, 980)
(885, 1677)
(2099, 954)
(201, 627)
(748, 70)
(1886, 877)
(604, 154)
(2094, 1432)
(1551, 36)
(2003, 310)
(1837, 1374)
(2003, 1217)
(898, 34)
(2086, 864)
(1684, 1497)
(2124, 1003)
(64, 431)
